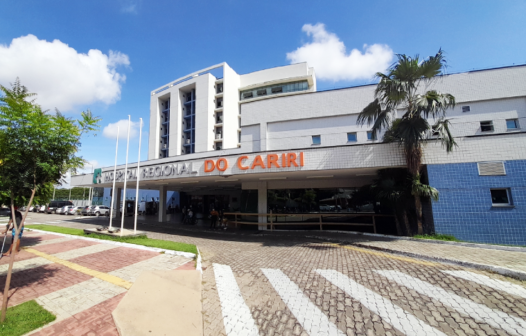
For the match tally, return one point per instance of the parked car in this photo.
(64, 210)
(72, 210)
(86, 211)
(100, 210)
(6, 212)
(42, 209)
(55, 205)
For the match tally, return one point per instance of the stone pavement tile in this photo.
(93, 320)
(22, 255)
(212, 315)
(500, 258)
(22, 265)
(160, 262)
(114, 259)
(79, 297)
(52, 241)
(64, 247)
(31, 284)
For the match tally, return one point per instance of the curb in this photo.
(495, 269)
(138, 247)
(198, 265)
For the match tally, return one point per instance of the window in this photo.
(277, 89)
(512, 124)
(351, 137)
(316, 139)
(466, 108)
(370, 136)
(219, 103)
(434, 131)
(219, 88)
(248, 95)
(262, 92)
(500, 197)
(486, 126)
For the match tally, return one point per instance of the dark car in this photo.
(6, 212)
(54, 205)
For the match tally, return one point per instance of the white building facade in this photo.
(246, 141)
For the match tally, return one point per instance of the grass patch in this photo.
(438, 236)
(141, 240)
(24, 318)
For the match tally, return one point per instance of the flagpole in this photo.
(138, 177)
(114, 177)
(125, 175)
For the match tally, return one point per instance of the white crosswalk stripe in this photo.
(495, 318)
(311, 318)
(390, 313)
(489, 282)
(236, 315)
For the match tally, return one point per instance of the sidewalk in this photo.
(504, 260)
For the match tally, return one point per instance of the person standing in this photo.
(213, 218)
(11, 226)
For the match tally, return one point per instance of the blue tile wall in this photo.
(464, 208)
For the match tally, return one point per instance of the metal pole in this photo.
(69, 199)
(90, 198)
(125, 174)
(53, 192)
(138, 177)
(114, 177)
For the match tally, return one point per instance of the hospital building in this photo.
(270, 142)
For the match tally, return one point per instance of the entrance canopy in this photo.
(347, 166)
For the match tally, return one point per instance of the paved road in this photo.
(293, 285)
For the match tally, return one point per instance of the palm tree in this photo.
(397, 187)
(404, 87)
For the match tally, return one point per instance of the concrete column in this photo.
(117, 203)
(262, 204)
(162, 204)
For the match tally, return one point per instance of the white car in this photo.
(100, 210)
(42, 208)
(65, 209)
(72, 210)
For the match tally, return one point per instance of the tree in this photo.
(36, 150)
(404, 87)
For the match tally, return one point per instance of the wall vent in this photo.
(491, 168)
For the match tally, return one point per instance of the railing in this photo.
(273, 219)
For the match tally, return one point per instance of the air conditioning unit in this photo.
(188, 141)
(218, 136)
(165, 146)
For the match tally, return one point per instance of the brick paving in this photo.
(82, 304)
(348, 291)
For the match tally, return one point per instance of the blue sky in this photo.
(154, 42)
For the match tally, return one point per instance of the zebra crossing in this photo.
(239, 321)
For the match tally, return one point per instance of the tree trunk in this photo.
(13, 251)
(406, 222)
(398, 227)
(418, 206)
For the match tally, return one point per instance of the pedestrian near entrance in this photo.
(11, 226)
(213, 218)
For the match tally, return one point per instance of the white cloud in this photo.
(130, 6)
(110, 131)
(329, 57)
(62, 77)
